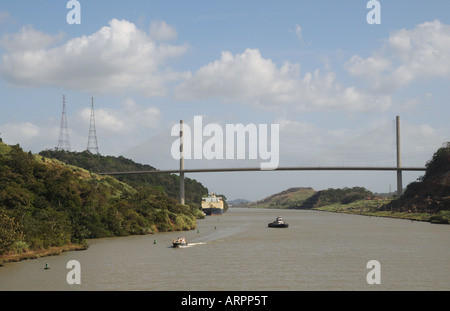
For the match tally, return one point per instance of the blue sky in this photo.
(332, 82)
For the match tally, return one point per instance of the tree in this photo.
(9, 232)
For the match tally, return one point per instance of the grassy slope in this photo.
(291, 198)
(380, 208)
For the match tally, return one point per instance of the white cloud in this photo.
(19, 131)
(250, 78)
(117, 58)
(407, 56)
(34, 136)
(117, 129)
(161, 31)
(29, 39)
(5, 16)
(298, 33)
(129, 119)
(374, 144)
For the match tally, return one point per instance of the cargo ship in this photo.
(212, 205)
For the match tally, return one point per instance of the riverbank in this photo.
(377, 208)
(178, 222)
(34, 254)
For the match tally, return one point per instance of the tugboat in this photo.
(180, 241)
(278, 223)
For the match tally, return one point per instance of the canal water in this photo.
(237, 251)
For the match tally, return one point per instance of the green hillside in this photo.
(290, 198)
(45, 203)
(168, 183)
(308, 198)
(430, 194)
(427, 199)
(333, 196)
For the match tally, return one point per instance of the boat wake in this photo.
(195, 244)
(214, 237)
(220, 235)
(189, 245)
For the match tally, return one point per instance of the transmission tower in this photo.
(63, 141)
(92, 145)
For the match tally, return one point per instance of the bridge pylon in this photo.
(399, 161)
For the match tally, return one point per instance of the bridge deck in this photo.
(257, 169)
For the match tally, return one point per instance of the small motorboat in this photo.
(278, 223)
(180, 241)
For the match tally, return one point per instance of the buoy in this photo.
(154, 242)
(46, 266)
(198, 231)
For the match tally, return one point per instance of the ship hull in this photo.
(211, 211)
(272, 225)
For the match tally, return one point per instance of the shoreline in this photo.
(420, 217)
(357, 209)
(57, 250)
(51, 251)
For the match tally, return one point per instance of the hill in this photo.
(46, 203)
(168, 183)
(238, 202)
(430, 194)
(333, 196)
(308, 198)
(427, 199)
(290, 198)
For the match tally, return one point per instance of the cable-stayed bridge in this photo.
(182, 171)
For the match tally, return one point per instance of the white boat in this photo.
(180, 241)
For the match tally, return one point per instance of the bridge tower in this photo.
(181, 164)
(63, 141)
(399, 162)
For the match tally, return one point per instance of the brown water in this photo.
(237, 251)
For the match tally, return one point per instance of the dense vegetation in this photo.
(167, 183)
(291, 198)
(308, 198)
(332, 196)
(427, 199)
(430, 194)
(45, 203)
